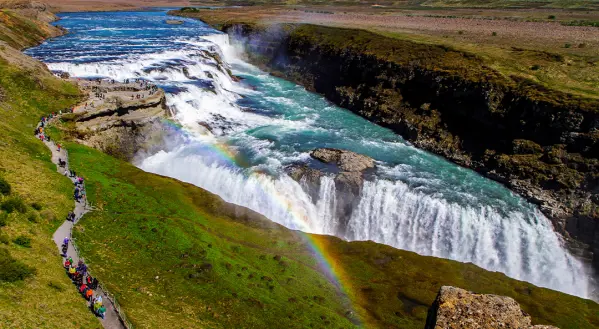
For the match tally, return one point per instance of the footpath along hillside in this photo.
(112, 319)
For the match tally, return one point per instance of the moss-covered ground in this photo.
(42, 297)
(174, 253)
(178, 256)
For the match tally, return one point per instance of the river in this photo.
(235, 138)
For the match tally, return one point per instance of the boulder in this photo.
(174, 22)
(345, 160)
(457, 308)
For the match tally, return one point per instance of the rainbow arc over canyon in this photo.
(330, 265)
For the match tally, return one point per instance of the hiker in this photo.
(65, 248)
(58, 146)
(82, 289)
(94, 283)
(72, 271)
(67, 264)
(102, 311)
(96, 306)
(82, 269)
(89, 294)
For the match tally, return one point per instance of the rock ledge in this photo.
(457, 308)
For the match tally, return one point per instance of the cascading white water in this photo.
(415, 201)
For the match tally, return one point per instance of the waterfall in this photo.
(237, 139)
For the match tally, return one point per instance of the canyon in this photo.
(540, 143)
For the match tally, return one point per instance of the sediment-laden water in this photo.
(235, 138)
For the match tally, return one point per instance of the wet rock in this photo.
(350, 182)
(458, 308)
(173, 22)
(345, 160)
(308, 177)
(299, 172)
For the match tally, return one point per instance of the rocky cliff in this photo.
(117, 122)
(541, 143)
(457, 308)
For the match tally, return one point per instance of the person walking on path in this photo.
(111, 318)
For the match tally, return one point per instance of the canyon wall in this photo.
(541, 143)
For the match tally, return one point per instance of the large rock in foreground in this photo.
(345, 160)
(457, 308)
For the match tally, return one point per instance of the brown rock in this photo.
(349, 182)
(345, 160)
(457, 308)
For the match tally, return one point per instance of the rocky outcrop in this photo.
(348, 168)
(456, 308)
(121, 126)
(345, 160)
(543, 144)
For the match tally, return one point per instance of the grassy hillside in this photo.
(175, 253)
(19, 30)
(42, 297)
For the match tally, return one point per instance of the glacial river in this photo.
(235, 138)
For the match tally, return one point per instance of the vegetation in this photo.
(173, 252)
(573, 71)
(19, 31)
(26, 298)
(4, 186)
(13, 204)
(23, 241)
(12, 270)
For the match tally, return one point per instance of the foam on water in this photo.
(415, 201)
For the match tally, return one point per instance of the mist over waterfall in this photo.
(237, 137)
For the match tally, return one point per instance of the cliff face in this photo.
(119, 123)
(542, 144)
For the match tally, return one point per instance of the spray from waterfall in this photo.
(236, 138)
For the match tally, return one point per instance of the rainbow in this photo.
(331, 267)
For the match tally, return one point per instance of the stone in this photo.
(174, 22)
(345, 160)
(457, 308)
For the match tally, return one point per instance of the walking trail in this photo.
(111, 319)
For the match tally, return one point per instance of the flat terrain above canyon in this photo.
(555, 47)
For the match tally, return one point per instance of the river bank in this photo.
(175, 253)
(540, 143)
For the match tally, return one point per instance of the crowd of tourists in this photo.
(86, 284)
(78, 273)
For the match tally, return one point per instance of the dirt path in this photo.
(111, 319)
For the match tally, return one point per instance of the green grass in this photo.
(564, 74)
(20, 31)
(173, 252)
(31, 265)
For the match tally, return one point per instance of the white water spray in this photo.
(521, 245)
